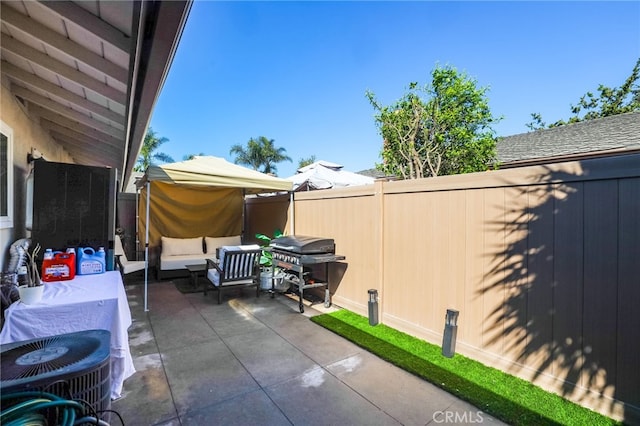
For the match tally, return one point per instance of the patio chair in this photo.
(125, 266)
(237, 267)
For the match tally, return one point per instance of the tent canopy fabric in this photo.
(187, 211)
(214, 171)
(325, 175)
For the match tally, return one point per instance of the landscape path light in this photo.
(373, 307)
(450, 333)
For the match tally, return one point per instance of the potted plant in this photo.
(266, 264)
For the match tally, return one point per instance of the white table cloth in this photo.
(87, 302)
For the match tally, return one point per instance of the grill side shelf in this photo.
(320, 258)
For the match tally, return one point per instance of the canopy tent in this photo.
(203, 196)
(325, 175)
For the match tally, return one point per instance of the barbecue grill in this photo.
(297, 252)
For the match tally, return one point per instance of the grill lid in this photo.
(303, 244)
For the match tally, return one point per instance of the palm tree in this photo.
(147, 155)
(260, 153)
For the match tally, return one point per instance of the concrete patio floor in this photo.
(259, 361)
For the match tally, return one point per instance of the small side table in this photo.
(194, 271)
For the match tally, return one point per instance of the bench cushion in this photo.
(212, 243)
(168, 263)
(181, 246)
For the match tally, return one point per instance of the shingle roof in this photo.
(616, 132)
(374, 173)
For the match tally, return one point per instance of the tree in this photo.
(447, 133)
(306, 161)
(260, 153)
(147, 153)
(610, 101)
(192, 156)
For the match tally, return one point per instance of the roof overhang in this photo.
(90, 72)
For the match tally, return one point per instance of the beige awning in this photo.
(217, 172)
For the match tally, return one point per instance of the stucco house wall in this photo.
(27, 134)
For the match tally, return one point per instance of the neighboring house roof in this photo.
(602, 135)
(325, 175)
(374, 173)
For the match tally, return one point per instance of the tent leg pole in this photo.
(146, 252)
(137, 222)
(244, 215)
(293, 214)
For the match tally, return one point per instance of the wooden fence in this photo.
(542, 262)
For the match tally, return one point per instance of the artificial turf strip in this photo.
(508, 398)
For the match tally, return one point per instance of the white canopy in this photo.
(325, 175)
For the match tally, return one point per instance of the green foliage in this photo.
(506, 397)
(266, 258)
(260, 154)
(192, 156)
(440, 129)
(609, 101)
(148, 156)
(306, 161)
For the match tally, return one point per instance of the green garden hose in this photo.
(27, 408)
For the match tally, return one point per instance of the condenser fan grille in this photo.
(72, 366)
(46, 355)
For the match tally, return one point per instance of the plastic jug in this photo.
(72, 263)
(58, 266)
(90, 261)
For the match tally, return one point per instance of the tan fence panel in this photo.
(627, 347)
(407, 281)
(265, 214)
(346, 216)
(539, 290)
(600, 283)
(471, 320)
(517, 280)
(542, 262)
(568, 272)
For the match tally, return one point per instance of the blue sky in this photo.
(297, 72)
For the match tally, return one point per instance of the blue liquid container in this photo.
(90, 261)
